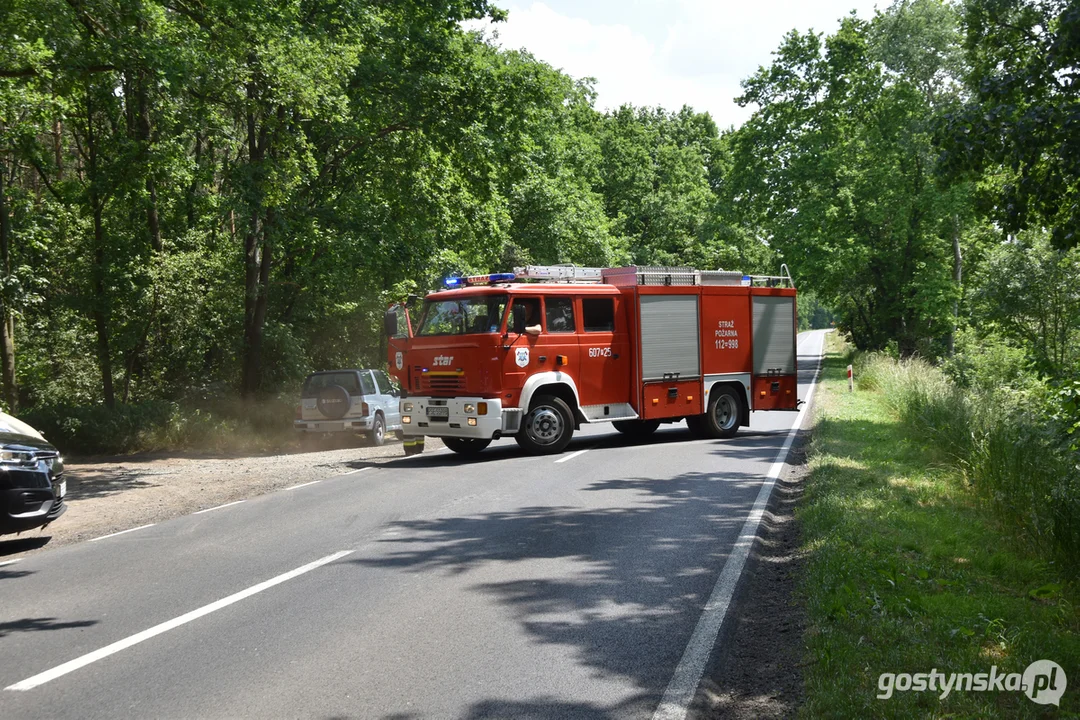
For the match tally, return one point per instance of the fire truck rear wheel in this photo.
(636, 428)
(722, 419)
(548, 426)
(465, 446)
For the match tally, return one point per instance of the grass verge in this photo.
(909, 572)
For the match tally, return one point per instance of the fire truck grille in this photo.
(442, 383)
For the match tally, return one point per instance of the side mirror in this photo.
(517, 318)
(390, 323)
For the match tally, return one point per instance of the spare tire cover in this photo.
(334, 401)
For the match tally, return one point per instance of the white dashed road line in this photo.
(218, 507)
(122, 532)
(294, 487)
(79, 662)
(573, 455)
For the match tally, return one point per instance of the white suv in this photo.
(348, 401)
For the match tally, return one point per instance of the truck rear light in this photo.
(481, 408)
(364, 409)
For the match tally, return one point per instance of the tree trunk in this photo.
(958, 277)
(100, 311)
(142, 123)
(256, 268)
(7, 318)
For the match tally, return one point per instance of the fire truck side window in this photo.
(532, 310)
(599, 314)
(560, 314)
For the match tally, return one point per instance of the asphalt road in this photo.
(508, 587)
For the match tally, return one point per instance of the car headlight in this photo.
(469, 408)
(407, 407)
(11, 456)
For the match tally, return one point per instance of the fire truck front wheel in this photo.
(722, 418)
(465, 446)
(548, 427)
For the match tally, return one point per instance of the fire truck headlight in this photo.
(407, 407)
(472, 421)
(481, 408)
(469, 408)
(406, 419)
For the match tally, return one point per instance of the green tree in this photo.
(1019, 127)
(838, 168)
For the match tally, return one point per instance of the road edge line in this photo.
(684, 682)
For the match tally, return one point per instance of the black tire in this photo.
(725, 409)
(548, 426)
(698, 426)
(636, 429)
(465, 446)
(377, 433)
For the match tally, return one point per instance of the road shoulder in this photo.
(754, 671)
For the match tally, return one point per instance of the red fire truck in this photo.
(537, 352)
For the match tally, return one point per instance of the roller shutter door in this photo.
(670, 336)
(774, 335)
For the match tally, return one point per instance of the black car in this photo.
(32, 485)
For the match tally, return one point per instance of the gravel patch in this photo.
(107, 495)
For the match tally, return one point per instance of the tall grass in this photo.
(1014, 458)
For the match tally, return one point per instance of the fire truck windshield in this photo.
(463, 315)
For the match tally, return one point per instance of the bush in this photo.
(208, 424)
(1014, 455)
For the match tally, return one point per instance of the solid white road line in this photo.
(573, 455)
(683, 686)
(218, 507)
(294, 487)
(122, 532)
(9, 562)
(353, 472)
(72, 665)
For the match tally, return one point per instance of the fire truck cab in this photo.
(537, 352)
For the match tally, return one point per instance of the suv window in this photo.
(315, 383)
(367, 383)
(598, 314)
(560, 314)
(385, 386)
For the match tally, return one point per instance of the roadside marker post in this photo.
(850, 380)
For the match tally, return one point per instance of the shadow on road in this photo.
(634, 579)
(37, 624)
(15, 546)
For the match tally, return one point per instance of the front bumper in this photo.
(425, 418)
(332, 426)
(29, 508)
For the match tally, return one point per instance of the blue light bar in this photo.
(454, 282)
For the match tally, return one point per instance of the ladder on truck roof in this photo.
(650, 275)
(559, 273)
